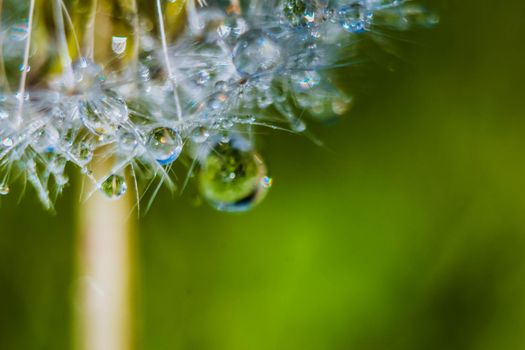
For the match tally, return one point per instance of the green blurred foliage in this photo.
(405, 232)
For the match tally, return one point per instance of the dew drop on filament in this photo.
(119, 44)
(4, 190)
(165, 145)
(257, 52)
(114, 187)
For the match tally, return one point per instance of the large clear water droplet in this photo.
(165, 145)
(233, 178)
(257, 52)
(114, 186)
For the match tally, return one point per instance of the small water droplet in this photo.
(200, 135)
(232, 27)
(114, 187)
(309, 16)
(297, 124)
(4, 189)
(84, 153)
(217, 100)
(355, 18)
(128, 143)
(21, 68)
(341, 105)
(221, 86)
(87, 74)
(119, 44)
(305, 80)
(165, 145)
(7, 142)
(19, 31)
(267, 182)
(45, 139)
(203, 77)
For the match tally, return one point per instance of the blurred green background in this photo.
(406, 232)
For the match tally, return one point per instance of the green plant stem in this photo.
(105, 253)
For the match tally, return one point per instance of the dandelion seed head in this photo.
(192, 98)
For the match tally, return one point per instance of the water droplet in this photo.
(203, 77)
(84, 153)
(297, 125)
(103, 113)
(257, 52)
(19, 31)
(45, 139)
(114, 186)
(200, 135)
(21, 68)
(119, 44)
(355, 18)
(309, 16)
(299, 12)
(415, 15)
(233, 177)
(305, 80)
(165, 145)
(267, 182)
(7, 142)
(264, 100)
(221, 86)
(87, 74)
(128, 143)
(217, 101)
(232, 28)
(4, 190)
(341, 105)
(224, 31)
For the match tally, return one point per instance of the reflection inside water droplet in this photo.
(114, 187)
(165, 145)
(4, 190)
(233, 178)
(103, 113)
(257, 52)
(118, 44)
